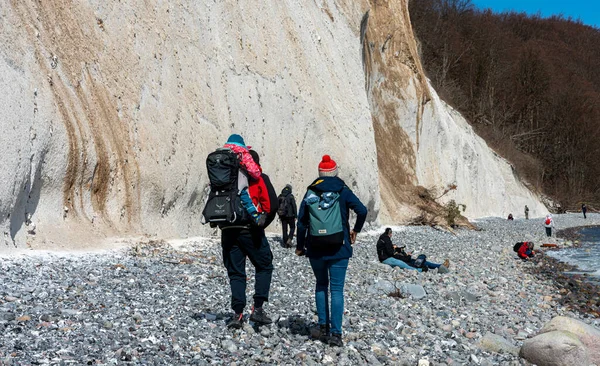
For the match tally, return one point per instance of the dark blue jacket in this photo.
(347, 201)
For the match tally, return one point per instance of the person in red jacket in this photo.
(259, 194)
(526, 251)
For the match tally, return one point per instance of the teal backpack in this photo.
(325, 220)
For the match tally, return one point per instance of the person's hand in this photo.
(352, 236)
(299, 252)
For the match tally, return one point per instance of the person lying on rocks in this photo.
(526, 250)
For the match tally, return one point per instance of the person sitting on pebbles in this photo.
(395, 256)
(526, 250)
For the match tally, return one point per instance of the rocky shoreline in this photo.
(165, 303)
(579, 292)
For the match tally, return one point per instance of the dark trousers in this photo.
(548, 231)
(237, 245)
(288, 223)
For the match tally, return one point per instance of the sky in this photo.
(586, 10)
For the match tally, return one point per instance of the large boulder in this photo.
(587, 334)
(417, 292)
(556, 348)
(494, 343)
(383, 287)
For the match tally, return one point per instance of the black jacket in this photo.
(272, 200)
(385, 248)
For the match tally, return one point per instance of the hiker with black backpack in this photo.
(324, 236)
(236, 143)
(287, 214)
(524, 249)
(241, 238)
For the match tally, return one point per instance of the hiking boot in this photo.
(321, 333)
(259, 317)
(236, 322)
(443, 269)
(446, 263)
(288, 243)
(336, 340)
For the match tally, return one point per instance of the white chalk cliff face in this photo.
(110, 109)
(422, 141)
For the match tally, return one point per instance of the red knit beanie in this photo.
(327, 167)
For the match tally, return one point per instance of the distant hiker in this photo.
(287, 214)
(386, 252)
(420, 262)
(549, 224)
(237, 144)
(510, 217)
(526, 212)
(524, 249)
(241, 241)
(584, 210)
(324, 236)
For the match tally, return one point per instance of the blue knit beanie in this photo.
(236, 140)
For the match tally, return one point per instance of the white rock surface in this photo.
(111, 107)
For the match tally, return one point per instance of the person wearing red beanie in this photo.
(328, 167)
(329, 247)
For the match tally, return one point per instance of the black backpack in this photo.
(518, 245)
(283, 206)
(224, 206)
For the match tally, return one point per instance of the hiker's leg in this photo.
(321, 272)
(234, 260)
(292, 227)
(284, 227)
(259, 253)
(393, 262)
(431, 265)
(337, 277)
(548, 231)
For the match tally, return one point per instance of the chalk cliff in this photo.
(110, 108)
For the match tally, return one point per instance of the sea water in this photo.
(586, 257)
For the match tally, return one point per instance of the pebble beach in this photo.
(156, 303)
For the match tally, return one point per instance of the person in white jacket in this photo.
(549, 224)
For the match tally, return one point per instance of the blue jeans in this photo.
(432, 265)
(330, 273)
(393, 262)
